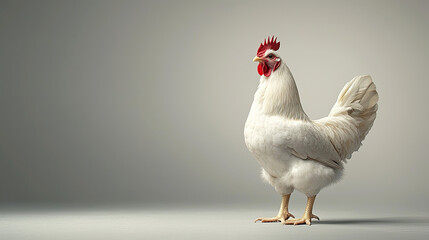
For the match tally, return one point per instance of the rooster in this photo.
(294, 151)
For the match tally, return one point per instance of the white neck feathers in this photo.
(278, 95)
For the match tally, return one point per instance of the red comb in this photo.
(268, 44)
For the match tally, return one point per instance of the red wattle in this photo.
(260, 72)
(264, 69)
(268, 72)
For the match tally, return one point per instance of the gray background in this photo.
(144, 102)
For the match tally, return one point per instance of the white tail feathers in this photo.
(352, 116)
(359, 100)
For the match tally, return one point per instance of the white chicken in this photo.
(294, 151)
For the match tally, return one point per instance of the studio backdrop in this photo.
(144, 102)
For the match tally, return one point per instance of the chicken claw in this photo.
(308, 214)
(283, 214)
(281, 218)
(303, 220)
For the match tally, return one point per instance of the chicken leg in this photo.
(283, 214)
(308, 214)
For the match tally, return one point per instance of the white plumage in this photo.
(296, 152)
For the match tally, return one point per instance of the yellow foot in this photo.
(303, 220)
(281, 218)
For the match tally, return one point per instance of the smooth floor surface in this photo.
(202, 224)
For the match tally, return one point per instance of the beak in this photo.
(257, 59)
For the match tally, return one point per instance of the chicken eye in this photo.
(270, 56)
